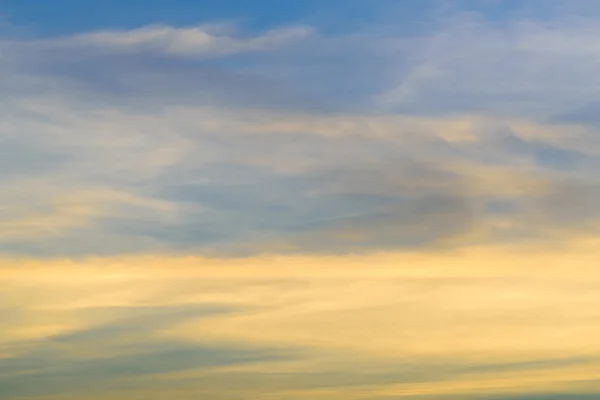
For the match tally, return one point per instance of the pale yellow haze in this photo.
(480, 306)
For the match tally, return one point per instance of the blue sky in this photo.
(68, 16)
(285, 199)
(335, 16)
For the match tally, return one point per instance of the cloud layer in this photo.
(206, 140)
(300, 213)
(482, 323)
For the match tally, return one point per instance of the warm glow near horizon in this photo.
(496, 320)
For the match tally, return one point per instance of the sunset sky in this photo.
(299, 199)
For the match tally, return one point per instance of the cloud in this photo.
(525, 66)
(294, 214)
(473, 323)
(168, 40)
(126, 141)
(127, 350)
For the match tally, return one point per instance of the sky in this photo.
(277, 199)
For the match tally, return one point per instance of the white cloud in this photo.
(168, 40)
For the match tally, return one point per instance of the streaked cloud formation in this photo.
(480, 323)
(379, 211)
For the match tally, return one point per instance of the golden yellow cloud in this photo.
(482, 305)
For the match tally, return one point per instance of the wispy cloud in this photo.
(165, 40)
(479, 322)
(216, 175)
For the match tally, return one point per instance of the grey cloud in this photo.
(50, 374)
(358, 376)
(587, 114)
(570, 202)
(347, 195)
(19, 157)
(501, 146)
(48, 369)
(397, 204)
(135, 321)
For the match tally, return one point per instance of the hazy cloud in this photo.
(207, 140)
